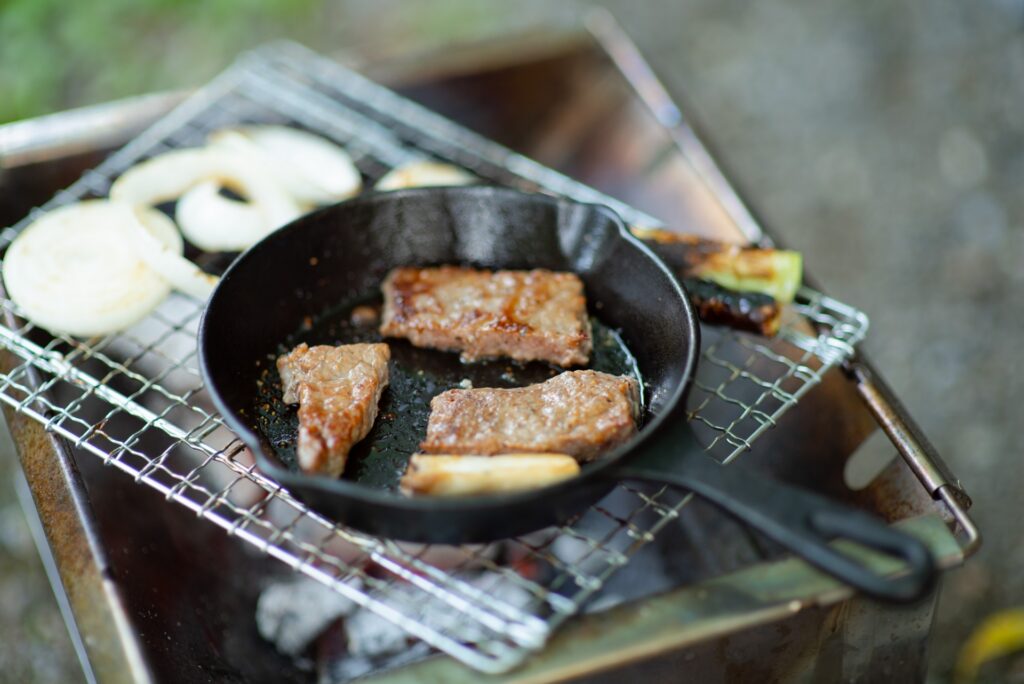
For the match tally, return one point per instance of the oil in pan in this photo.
(416, 376)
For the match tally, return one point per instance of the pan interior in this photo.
(416, 376)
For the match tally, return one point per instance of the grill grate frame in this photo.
(136, 400)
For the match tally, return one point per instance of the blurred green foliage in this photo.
(59, 53)
(56, 54)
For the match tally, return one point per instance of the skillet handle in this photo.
(799, 520)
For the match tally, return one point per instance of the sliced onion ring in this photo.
(73, 270)
(312, 169)
(181, 273)
(216, 223)
(168, 176)
(424, 173)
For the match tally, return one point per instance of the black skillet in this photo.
(301, 283)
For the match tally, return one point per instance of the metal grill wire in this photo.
(136, 399)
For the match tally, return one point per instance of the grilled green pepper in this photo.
(774, 272)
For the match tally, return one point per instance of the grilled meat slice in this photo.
(580, 413)
(462, 475)
(337, 389)
(525, 315)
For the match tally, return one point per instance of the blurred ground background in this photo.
(884, 139)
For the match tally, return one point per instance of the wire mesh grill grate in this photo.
(136, 399)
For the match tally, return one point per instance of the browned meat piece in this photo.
(337, 389)
(580, 413)
(525, 315)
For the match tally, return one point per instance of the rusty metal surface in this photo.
(192, 621)
(751, 625)
(94, 596)
(896, 422)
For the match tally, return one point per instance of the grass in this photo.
(56, 54)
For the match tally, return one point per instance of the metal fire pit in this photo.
(157, 593)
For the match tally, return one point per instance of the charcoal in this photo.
(293, 613)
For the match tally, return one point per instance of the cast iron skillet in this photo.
(299, 284)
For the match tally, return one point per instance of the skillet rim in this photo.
(272, 467)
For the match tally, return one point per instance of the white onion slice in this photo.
(181, 273)
(462, 475)
(170, 175)
(419, 174)
(216, 223)
(73, 271)
(312, 169)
